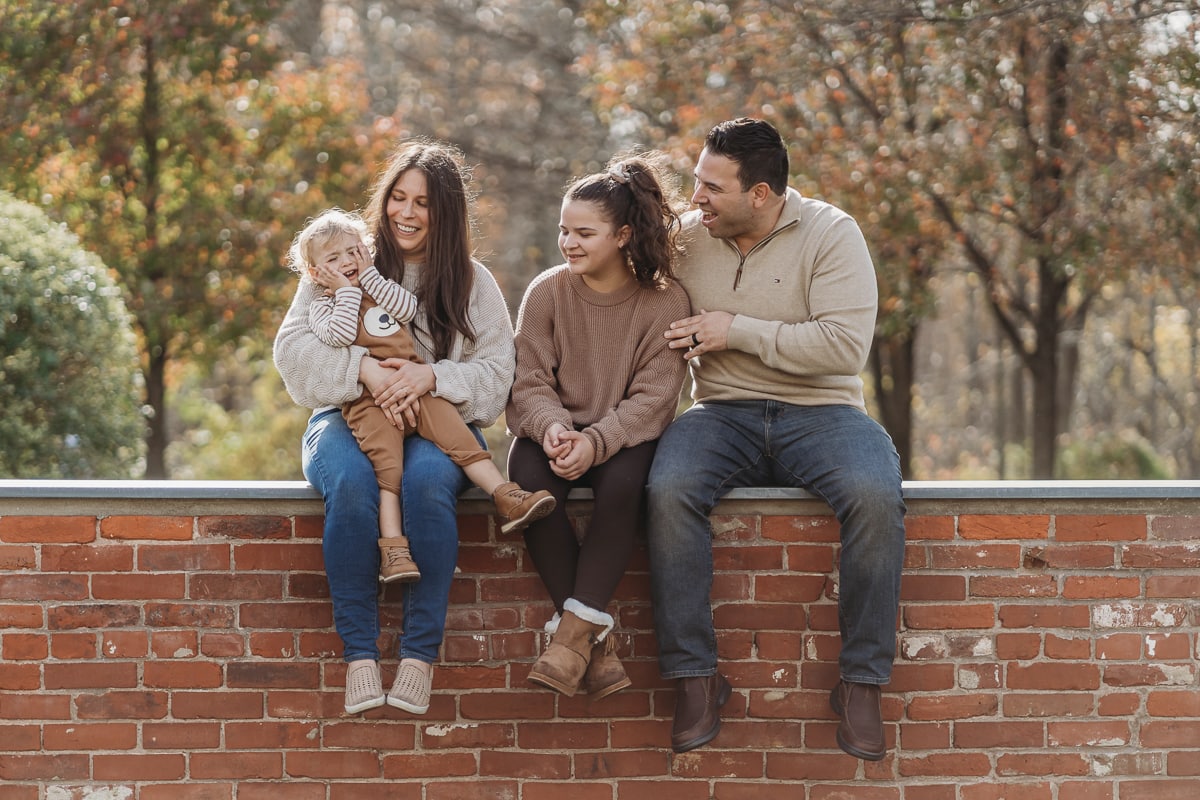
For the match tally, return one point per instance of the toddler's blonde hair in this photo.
(321, 229)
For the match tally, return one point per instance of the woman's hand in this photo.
(380, 381)
(409, 381)
(576, 462)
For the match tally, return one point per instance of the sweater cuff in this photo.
(539, 422)
(746, 332)
(599, 448)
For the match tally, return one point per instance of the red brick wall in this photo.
(164, 648)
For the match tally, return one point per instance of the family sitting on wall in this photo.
(404, 346)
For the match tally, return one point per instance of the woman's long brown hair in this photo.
(444, 293)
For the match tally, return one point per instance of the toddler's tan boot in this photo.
(518, 507)
(395, 561)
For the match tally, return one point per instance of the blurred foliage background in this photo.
(1025, 172)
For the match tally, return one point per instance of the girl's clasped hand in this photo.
(570, 452)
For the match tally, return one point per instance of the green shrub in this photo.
(69, 377)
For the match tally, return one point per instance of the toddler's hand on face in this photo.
(362, 258)
(328, 277)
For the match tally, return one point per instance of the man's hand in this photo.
(706, 332)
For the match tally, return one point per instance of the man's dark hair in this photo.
(757, 148)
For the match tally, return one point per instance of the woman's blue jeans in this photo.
(836, 452)
(337, 468)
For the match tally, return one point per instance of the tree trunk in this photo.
(1191, 443)
(156, 399)
(1002, 428)
(1068, 374)
(892, 369)
(1018, 398)
(153, 313)
(1043, 367)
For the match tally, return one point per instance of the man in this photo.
(786, 298)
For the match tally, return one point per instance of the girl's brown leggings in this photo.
(588, 567)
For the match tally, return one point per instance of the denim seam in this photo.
(727, 485)
(670, 676)
(868, 679)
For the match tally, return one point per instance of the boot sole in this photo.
(604, 692)
(402, 577)
(538, 510)
(550, 683)
(858, 752)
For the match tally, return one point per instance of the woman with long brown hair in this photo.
(418, 215)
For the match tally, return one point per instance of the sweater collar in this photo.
(793, 202)
(592, 297)
(790, 216)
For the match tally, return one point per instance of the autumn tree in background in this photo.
(1016, 133)
(1025, 173)
(500, 80)
(1149, 342)
(68, 361)
(1039, 118)
(178, 144)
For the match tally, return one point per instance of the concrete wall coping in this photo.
(302, 490)
(112, 497)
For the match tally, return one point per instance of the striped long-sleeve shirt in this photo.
(335, 319)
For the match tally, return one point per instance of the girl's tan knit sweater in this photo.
(596, 362)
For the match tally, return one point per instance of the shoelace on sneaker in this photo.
(396, 554)
(516, 493)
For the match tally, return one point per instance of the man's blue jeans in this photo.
(334, 464)
(838, 453)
